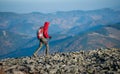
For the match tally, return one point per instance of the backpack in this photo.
(40, 33)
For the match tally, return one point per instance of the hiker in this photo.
(42, 35)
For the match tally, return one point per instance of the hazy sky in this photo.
(48, 6)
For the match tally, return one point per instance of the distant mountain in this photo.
(107, 36)
(10, 41)
(70, 31)
(94, 38)
(61, 22)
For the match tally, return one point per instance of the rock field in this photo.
(100, 61)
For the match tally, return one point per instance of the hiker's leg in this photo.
(47, 46)
(47, 49)
(40, 46)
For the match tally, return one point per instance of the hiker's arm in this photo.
(46, 34)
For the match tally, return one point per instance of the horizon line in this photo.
(56, 11)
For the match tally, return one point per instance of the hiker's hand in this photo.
(50, 37)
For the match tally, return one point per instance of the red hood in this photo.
(46, 25)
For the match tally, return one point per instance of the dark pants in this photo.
(42, 41)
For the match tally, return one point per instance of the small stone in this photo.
(17, 72)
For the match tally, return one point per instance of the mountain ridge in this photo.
(64, 20)
(67, 29)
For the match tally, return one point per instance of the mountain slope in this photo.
(70, 31)
(10, 41)
(94, 38)
(101, 37)
(64, 21)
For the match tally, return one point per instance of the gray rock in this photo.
(101, 61)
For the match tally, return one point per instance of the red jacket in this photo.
(45, 30)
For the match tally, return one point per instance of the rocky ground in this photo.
(100, 61)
